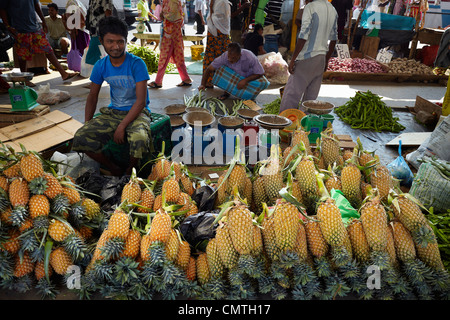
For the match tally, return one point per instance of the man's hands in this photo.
(119, 135)
(242, 84)
(291, 66)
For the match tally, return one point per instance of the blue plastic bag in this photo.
(399, 169)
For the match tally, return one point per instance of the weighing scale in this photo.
(314, 122)
(22, 97)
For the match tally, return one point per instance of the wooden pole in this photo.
(294, 26)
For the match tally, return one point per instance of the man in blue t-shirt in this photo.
(127, 117)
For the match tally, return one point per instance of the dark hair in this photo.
(258, 27)
(156, 2)
(234, 47)
(53, 5)
(112, 25)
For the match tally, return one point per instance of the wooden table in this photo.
(156, 38)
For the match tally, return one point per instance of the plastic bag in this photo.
(347, 211)
(204, 197)
(199, 227)
(85, 68)
(49, 96)
(275, 67)
(399, 168)
(74, 58)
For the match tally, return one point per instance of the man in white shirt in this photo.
(200, 12)
(311, 54)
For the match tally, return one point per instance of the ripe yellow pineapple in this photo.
(301, 244)
(54, 187)
(23, 266)
(258, 245)
(191, 269)
(12, 244)
(31, 167)
(221, 190)
(12, 170)
(216, 268)
(404, 244)
(161, 227)
(58, 230)
(298, 136)
(360, 247)
(172, 246)
(351, 182)
(172, 190)
(161, 169)
(305, 174)
(269, 239)
(72, 194)
(19, 193)
(391, 246)
(92, 208)
(187, 184)
(334, 182)
(145, 246)
(248, 191)
(381, 179)
(203, 273)
(286, 224)
(85, 232)
(118, 225)
(330, 222)
(5, 216)
(38, 205)
(131, 191)
(240, 224)
(259, 195)
(60, 260)
(184, 255)
(272, 174)
(157, 204)
(237, 178)
(329, 147)
(316, 241)
(39, 270)
(4, 183)
(228, 254)
(374, 221)
(430, 254)
(147, 200)
(193, 209)
(347, 154)
(132, 244)
(185, 201)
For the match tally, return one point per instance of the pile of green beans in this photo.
(366, 111)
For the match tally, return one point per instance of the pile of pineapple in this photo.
(47, 224)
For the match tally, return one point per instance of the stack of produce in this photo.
(409, 66)
(361, 65)
(366, 111)
(47, 223)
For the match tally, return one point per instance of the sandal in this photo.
(224, 96)
(184, 84)
(71, 75)
(153, 85)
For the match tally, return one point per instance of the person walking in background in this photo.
(97, 10)
(19, 16)
(218, 36)
(200, 12)
(254, 41)
(237, 19)
(311, 53)
(78, 36)
(157, 11)
(171, 45)
(57, 31)
(343, 8)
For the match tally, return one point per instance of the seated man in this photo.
(127, 117)
(238, 72)
(57, 32)
(255, 41)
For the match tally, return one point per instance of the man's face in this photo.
(52, 12)
(114, 45)
(233, 57)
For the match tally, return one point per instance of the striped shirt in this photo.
(319, 24)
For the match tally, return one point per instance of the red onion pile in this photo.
(354, 65)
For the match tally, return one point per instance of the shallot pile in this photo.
(360, 65)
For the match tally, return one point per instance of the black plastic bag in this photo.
(199, 227)
(204, 197)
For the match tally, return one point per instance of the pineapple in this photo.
(430, 255)
(19, 193)
(191, 269)
(240, 224)
(259, 194)
(272, 174)
(171, 188)
(60, 260)
(347, 154)
(269, 238)
(286, 225)
(39, 270)
(31, 167)
(4, 183)
(12, 244)
(38, 185)
(185, 201)
(228, 254)
(329, 147)
(131, 192)
(54, 187)
(118, 225)
(161, 227)
(157, 204)
(330, 222)
(404, 244)
(132, 244)
(23, 265)
(145, 247)
(296, 191)
(237, 178)
(351, 182)
(248, 191)
(203, 273)
(216, 268)
(161, 169)
(147, 199)
(334, 182)
(316, 241)
(187, 184)
(221, 191)
(12, 170)
(380, 178)
(193, 209)
(306, 177)
(301, 245)
(58, 230)
(38, 205)
(72, 194)
(298, 136)
(257, 241)
(360, 247)
(286, 157)
(184, 255)
(391, 247)
(172, 246)
(92, 208)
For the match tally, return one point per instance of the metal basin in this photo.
(17, 76)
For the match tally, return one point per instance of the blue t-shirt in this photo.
(122, 80)
(22, 14)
